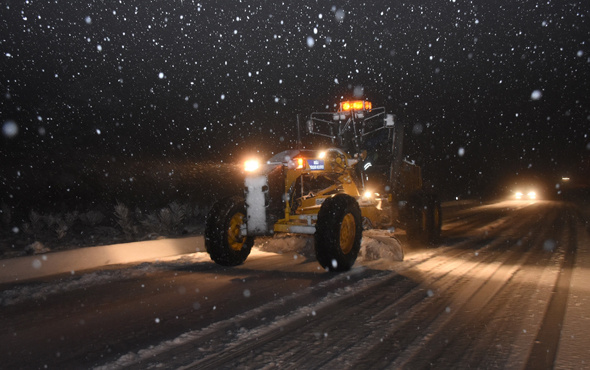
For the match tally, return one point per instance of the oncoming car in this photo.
(530, 195)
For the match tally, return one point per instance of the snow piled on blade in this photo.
(288, 243)
(380, 244)
(375, 245)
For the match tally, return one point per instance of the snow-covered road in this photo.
(507, 288)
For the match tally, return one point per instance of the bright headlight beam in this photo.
(251, 165)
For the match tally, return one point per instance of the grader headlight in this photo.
(251, 165)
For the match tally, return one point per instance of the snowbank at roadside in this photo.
(376, 244)
(30, 267)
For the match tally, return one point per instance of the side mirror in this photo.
(389, 121)
(310, 126)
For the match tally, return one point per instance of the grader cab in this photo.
(358, 181)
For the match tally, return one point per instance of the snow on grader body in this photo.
(360, 182)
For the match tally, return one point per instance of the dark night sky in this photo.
(489, 89)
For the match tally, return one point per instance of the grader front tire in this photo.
(338, 233)
(223, 240)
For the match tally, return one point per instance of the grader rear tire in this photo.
(426, 219)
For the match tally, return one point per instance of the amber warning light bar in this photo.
(357, 105)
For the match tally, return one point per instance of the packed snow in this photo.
(376, 244)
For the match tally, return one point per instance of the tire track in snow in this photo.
(376, 320)
(360, 308)
(450, 341)
(523, 293)
(304, 324)
(470, 280)
(474, 218)
(442, 307)
(544, 349)
(375, 314)
(210, 344)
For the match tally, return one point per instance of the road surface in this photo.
(506, 288)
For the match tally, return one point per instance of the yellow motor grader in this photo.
(359, 180)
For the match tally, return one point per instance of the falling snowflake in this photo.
(9, 129)
(536, 95)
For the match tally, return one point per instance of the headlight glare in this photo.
(251, 165)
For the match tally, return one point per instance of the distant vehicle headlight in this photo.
(529, 195)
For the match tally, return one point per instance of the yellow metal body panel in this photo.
(305, 215)
(372, 213)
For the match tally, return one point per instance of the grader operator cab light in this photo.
(356, 105)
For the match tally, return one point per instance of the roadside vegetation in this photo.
(109, 202)
(45, 232)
